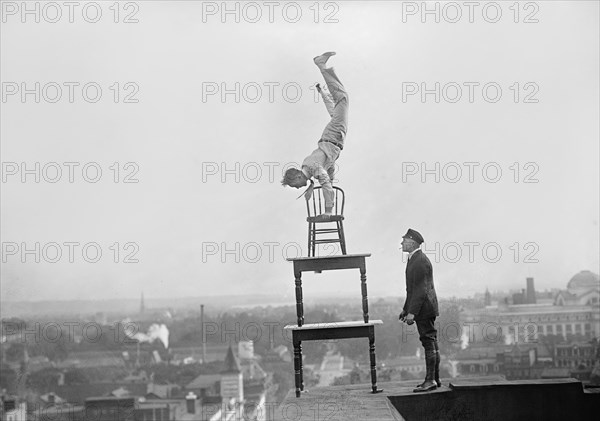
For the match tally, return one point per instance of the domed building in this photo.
(574, 311)
(582, 290)
(583, 280)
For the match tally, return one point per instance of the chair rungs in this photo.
(326, 241)
(326, 231)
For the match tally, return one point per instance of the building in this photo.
(514, 362)
(524, 362)
(574, 311)
(11, 409)
(110, 408)
(579, 358)
(239, 389)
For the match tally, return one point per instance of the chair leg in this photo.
(309, 238)
(342, 237)
(314, 238)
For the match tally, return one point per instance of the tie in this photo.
(308, 192)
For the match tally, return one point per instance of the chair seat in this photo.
(320, 218)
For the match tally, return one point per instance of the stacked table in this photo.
(336, 330)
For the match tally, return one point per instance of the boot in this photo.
(429, 383)
(436, 374)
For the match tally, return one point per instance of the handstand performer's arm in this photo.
(328, 193)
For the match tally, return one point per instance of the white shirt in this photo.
(413, 252)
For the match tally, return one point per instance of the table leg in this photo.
(299, 304)
(363, 288)
(373, 362)
(297, 365)
(301, 368)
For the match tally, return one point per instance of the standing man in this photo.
(421, 306)
(320, 164)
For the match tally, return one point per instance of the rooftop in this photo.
(481, 398)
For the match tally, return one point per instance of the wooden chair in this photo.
(315, 206)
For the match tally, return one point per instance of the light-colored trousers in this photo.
(335, 98)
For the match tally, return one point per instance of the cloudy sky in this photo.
(190, 116)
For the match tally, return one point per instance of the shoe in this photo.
(437, 382)
(321, 60)
(427, 386)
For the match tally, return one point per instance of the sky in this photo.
(199, 114)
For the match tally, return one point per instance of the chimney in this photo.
(190, 401)
(51, 398)
(530, 291)
(203, 338)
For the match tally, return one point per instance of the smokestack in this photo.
(190, 401)
(203, 338)
(51, 398)
(530, 291)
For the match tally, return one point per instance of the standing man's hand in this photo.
(410, 318)
(402, 316)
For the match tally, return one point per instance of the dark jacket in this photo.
(421, 299)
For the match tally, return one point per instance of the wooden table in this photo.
(319, 264)
(333, 330)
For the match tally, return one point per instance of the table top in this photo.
(337, 256)
(333, 325)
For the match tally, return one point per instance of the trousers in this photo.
(336, 101)
(427, 334)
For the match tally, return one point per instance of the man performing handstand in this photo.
(321, 162)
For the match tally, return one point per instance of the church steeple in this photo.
(232, 379)
(232, 364)
(487, 300)
(142, 306)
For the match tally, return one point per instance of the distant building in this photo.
(524, 362)
(487, 299)
(579, 358)
(411, 364)
(582, 290)
(575, 310)
(515, 362)
(239, 397)
(110, 408)
(11, 409)
(278, 354)
(478, 359)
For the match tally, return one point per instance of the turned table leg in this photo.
(297, 366)
(363, 289)
(373, 361)
(299, 304)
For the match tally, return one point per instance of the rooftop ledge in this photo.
(476, 398)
